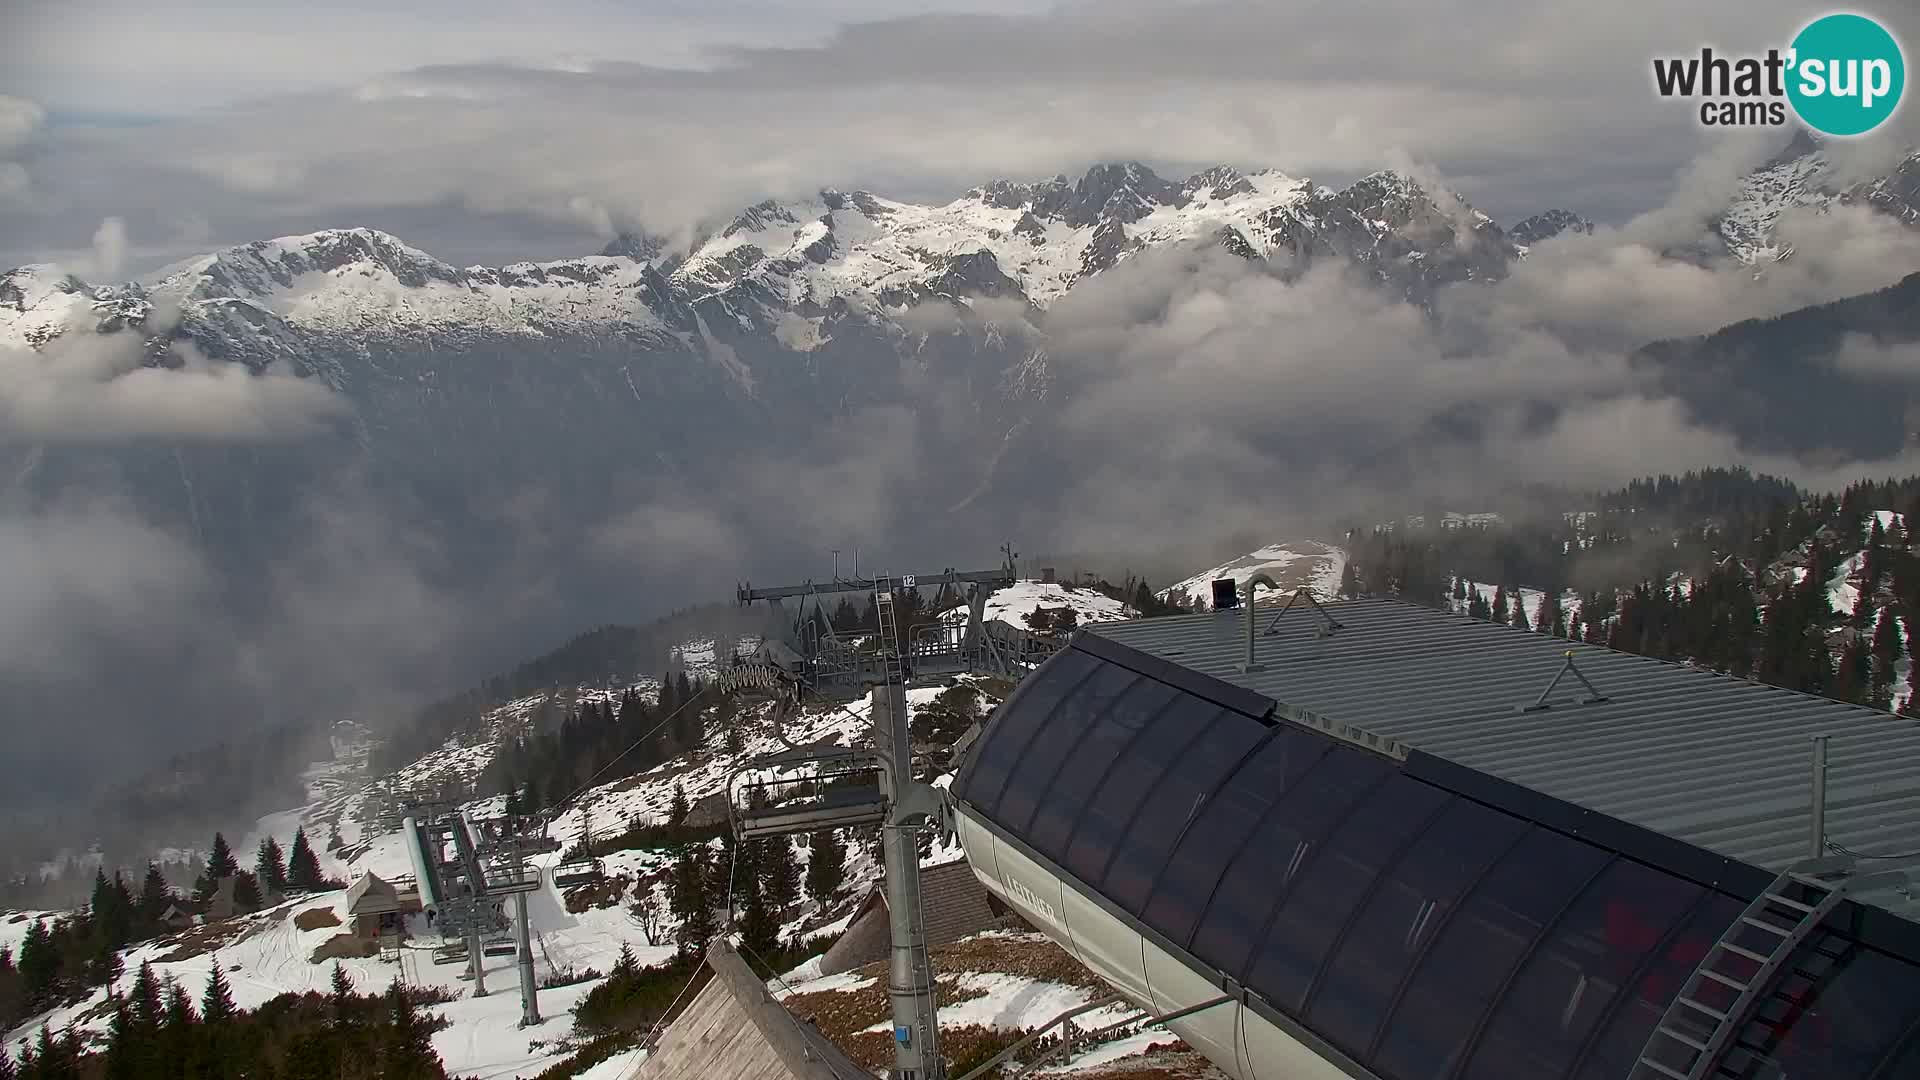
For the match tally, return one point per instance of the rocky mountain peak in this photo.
(1219, 182)
(1547, 225)
(1124, 191)
(638, 246)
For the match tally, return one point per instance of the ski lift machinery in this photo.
(803, 788)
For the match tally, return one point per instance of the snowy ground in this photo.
(1012, 604)
(1527, 598)
(1000, 980)
(265, 955)
(1293, 563)
(14, 926)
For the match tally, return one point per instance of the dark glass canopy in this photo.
(1423, 933)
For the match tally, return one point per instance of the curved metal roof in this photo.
(1416, 915)
(1715, 761)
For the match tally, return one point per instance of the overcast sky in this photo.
(485, 131)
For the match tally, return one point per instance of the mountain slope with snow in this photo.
(1803, 177)
(1295, 564)
(1030, 242)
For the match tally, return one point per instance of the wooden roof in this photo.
(734, 1028)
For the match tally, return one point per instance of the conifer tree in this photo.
(39, 964)
(725, 870)
(1519, 617)
(113, 909)
(690, 903)
(122, 1054)
(678, 810)
(246, 892)
(826, 865)
(177, 1043)
(216, 1003)
(1349, 582)
(780, 872)
(341, 987)
(221, 863)
(1887, 650)
(759, 930)
(1854, 679)
(145, 998)
(7, 1071)
(55, 1059)
(408, 1051)
(1500, 611)
(155, 894)
(180, 1014)
(303, 866)
(270, 867)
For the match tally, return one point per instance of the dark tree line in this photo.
(606, 740)
(64, 959)
(605, 656)
(762, 876)
(156, 1032)
(1757, 558)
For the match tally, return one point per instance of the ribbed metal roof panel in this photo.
(1719, 762)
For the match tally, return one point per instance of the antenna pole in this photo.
(1817, 840)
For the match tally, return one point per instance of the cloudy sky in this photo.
(485, 131)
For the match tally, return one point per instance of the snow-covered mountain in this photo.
(1311, 564)
(1034, 241)
(815, 260)
(1547, 225)
(1803, 176)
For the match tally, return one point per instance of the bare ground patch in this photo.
(205, 939)
(315, 918)
(842, 1015)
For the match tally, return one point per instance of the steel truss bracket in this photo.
(1595, 697)
(1328, 624)
(920, 800)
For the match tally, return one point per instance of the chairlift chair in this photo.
(845, 798)
(585, 871)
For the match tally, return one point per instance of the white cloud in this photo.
(19, 119)
(101, 389)
(109, 249)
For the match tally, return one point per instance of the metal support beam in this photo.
(529, 990)
(476, 950)
(916, 1031)
(1247, 665)
(1067, 1045)
(1063, 1019)
(1594, 696)
(1817, 835)
(1001, 576)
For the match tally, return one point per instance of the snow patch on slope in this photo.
(1311, 564)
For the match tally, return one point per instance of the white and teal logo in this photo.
(1842, 75)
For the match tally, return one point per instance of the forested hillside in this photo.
(1732, 571)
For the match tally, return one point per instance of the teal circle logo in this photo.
(1847, 75)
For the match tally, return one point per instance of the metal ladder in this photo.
(889, 656)
(1693, 1037)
